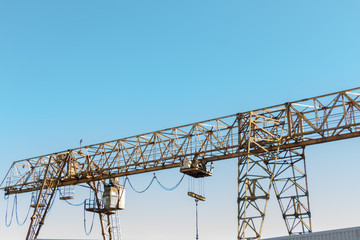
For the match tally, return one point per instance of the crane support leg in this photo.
(291, 189)
(109, 219)
(254, 183)
(46, 195)
(256, 171)
(111, 226)
(95, 186)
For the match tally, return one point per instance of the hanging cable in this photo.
(197, 220)
(12, 212)
(172, 188)
(92, 223)
(203, 185)
(151, 182)
(128, 180)
(197, 186)
(16, 213)
(191, 184)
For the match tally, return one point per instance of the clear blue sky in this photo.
(101, 70)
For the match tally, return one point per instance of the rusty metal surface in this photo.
(269, 144)
(310, 121)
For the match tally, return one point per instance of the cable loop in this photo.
(16, 213)
(151, 182)
(12, 212)
(142, 191)
(92, 223)
(172, 188)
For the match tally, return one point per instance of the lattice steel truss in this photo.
(268, 142)
(291, 189)
(256, 133)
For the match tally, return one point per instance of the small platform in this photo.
(196, 172)
(92, 206)
(101, 210)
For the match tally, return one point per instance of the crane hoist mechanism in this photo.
(196, 168)
(269, 144)
(196, 191)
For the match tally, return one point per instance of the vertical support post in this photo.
(109, 227)
(291, 189)
(240, 143)
(34, 216)
(289, 119)
(255, 174)
(102, 225)
(46, 195)
(94, 187)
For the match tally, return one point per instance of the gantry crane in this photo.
(269, 144)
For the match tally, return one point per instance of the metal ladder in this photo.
(39, 215)
(45, 196)
(115, 225)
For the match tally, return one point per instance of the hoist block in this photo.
(195, 169)
(196, 196)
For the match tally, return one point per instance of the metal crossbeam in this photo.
(310, 121)
(255, 172)
(266, 141)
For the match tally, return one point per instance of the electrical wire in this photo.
(12, 212)
(172, 188)
(15, 203)
(92, 223)
(197, 219)
(151, 182)
(128, 180)
(16, 213)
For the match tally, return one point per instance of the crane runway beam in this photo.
(176, 165)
